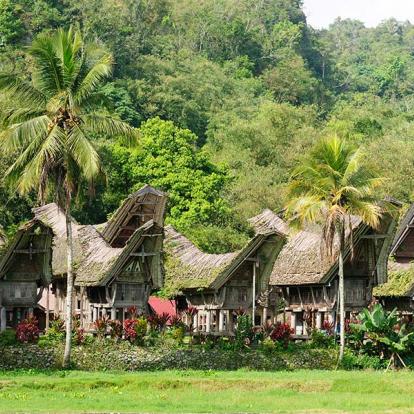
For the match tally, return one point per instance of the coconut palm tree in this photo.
(333, 183)
(50, 118)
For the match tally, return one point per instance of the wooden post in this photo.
(318, 320)
(81, 308)
(47, 308)
(195, 322)
(95, 314)
(208, 321)
(221, 321)
(293, 321)
(229, 318)
(113, 313)
(3, 321)
(217, 327)
(254, 294)
(264, 316)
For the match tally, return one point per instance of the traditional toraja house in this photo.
(219, 284)
(116, 264)
(307, 280)
(25, 270)
(398, 291)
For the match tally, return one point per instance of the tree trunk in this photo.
(341, 306)
(69, 292)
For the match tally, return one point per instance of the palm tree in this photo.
(49, 120)
(332, 184)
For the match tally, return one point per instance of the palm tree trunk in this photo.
(341, 306)
(69, 292)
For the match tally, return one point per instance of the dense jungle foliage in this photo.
(226, 94)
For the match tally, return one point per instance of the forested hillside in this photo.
(227, 95)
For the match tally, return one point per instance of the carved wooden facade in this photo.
(25, 269)
(219, 285)
(117, 264)
(398, 291)
(307, 280)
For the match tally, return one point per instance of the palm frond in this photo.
(100, 71)
(19, 135)
(47, 75)
(43, 153)
(108, 126)
(83, 152)
(22, 92)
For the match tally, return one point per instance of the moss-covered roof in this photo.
(95, 261)
(400, 281)
(187, 267)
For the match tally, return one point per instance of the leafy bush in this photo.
(177, 333)
(352, 361)
(244, 331)
(268, 346)
(158, 321)
(282, 332)
(115, 329)
(28, 330)
(101, 326)
(135, 330)
(79, 336)
(382, 335)
(328, 327)
(319, 339)
(8, 337)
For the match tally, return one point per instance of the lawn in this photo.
(208, 392)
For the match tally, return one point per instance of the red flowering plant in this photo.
(28, 330)
(132, 311)
(176, 321)
(101, 326)
(159, 321)
(328, 327)
(129, 329)
(80, 336)
(135, 330)
(282, 332)
(115, 329)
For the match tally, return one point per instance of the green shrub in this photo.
(8, 337)
(352, 361)
(177, 333)
(53, 336)
(141, 328)
(320, 339)
(244, 331)
(268, 346)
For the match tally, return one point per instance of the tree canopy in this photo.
(242, 87)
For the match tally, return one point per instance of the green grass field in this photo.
(208, 392)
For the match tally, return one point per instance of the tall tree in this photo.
(50, 119)
(333, 183)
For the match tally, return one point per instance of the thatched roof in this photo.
(95, 260)
(100, 261)
(403, 229)
(25, 239)
(53, 216)
(400, 281)
(302, 261)
(147, 203)
(268, 221)
(187, 267)
(3, 238)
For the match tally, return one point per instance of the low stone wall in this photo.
(132, 358)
